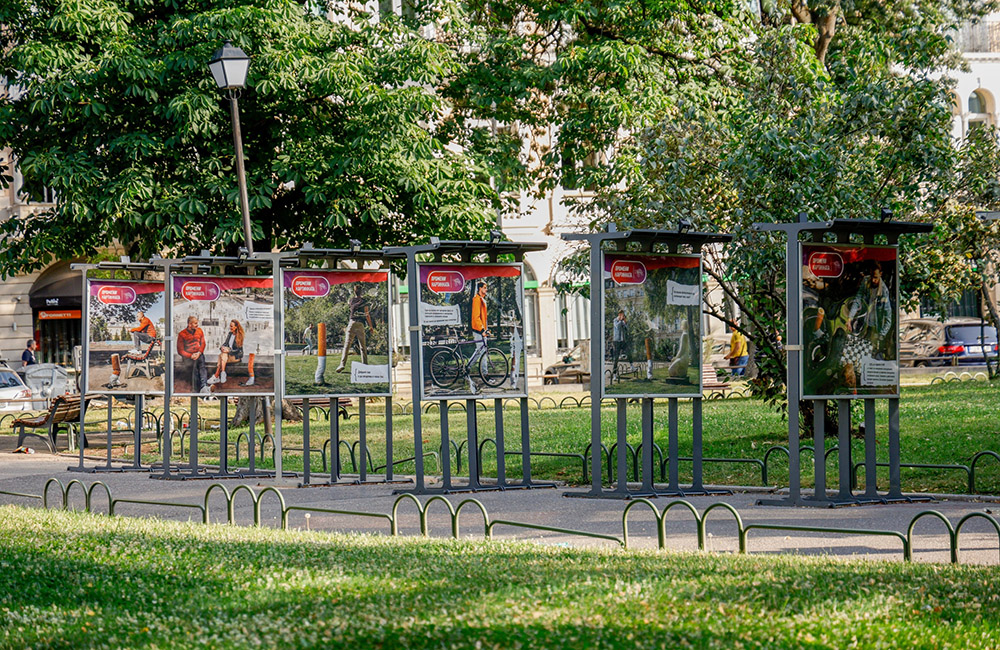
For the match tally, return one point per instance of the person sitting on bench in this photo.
(231, 350)
(191, 346)
(145, 332)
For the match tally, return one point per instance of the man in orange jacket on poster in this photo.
(191, 346)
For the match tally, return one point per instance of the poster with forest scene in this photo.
(336, 333)
(652, 325)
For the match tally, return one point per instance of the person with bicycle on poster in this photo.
(479, 328)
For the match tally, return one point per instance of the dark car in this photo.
(967, 344)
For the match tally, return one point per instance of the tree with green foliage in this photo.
(724, 116)
(110, 104)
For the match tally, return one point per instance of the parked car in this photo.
(13, 388)
(967, 343)
(956, 341)
(919, 340)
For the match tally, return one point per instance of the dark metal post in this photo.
(871, 469)
(525, 444)
(252, 438)
(673, 447)
(621, 405)
(596, 365)
(306, 451)
(388, 438)
(647, 445)
(501, 458)
(416, 361)
(895, 486)
(819, 449)
(193, 431)
(224, 436)
(473, 443)
(334, 440)
(362, 439)
(137, 447)
(445, 445)
(844, 452)
(697, 484)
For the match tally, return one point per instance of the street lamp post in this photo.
(229, 66)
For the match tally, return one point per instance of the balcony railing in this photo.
(981, 37)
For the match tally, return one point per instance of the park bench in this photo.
(63, 415)
(710, 380)
(343, 403)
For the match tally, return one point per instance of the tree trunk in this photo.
(241, 417)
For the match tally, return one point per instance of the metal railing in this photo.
(393, 518)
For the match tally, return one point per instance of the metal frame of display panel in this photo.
(802, 324)
(843, 229)
(701, 380)
(465, 251)
(296, 261)
(204, 265)
(647, 240)
(520, 299)
(139, 397)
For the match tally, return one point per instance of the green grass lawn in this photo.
(943, 424)
(71, 580)
(300, 375)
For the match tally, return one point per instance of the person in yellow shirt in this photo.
(738, 351)
(478, 325)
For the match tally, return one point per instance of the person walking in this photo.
(738, 357)
(360, 313)
(28, 356)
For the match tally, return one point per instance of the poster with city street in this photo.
(336, 333)
(652, 325)
(125, 320)
(471, 330)
(849, 321)
(223, 328)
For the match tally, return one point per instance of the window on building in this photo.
(531, 322)
(966, 305)
(573, 320)
(977, 102)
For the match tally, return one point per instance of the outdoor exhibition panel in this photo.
(471, 331)
(466, 310)
(124, 324)
(122, 356)
(842, 326)
(649, 308)
(224, 335)
(335, 303)
(651, 327)
(849, 307)
(343, 311)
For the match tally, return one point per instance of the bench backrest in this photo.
(65, 408)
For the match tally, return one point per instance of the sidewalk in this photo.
(549, 507)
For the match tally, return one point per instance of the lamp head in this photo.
(886, 214)
(683, 225)
(229, 67)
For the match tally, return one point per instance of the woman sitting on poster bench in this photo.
(231, 350)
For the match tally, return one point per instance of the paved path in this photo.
(550, 507)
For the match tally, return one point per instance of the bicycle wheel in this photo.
(444, 368)
(494, 367)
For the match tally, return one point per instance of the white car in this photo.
(13, 388)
